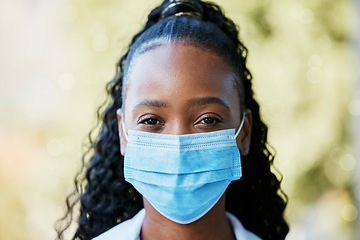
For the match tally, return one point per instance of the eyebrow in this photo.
(151, 103)
(208, 100)
(193, 102)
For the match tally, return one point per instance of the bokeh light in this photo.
(57, 56)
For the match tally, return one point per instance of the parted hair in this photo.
(106, 199)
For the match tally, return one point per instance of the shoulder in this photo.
(128, 230)
(239, 230)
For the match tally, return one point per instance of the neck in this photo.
(213, 225)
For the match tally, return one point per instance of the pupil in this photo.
(208, 120)
(151, 121)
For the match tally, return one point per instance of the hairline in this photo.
(167, 40)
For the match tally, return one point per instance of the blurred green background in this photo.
(56, 57)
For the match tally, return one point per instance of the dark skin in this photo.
(182, 89)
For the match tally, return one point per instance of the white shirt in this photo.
(130, 229)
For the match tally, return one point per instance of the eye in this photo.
(149, 121)
(209, 121)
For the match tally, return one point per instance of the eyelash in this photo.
(206, 122)
(214, 120)
(145, 121)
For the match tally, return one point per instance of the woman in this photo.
(182, 151)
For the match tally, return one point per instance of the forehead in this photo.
(150, 57)
(173, 68)
(179, 45)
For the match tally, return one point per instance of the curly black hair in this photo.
(106, 199)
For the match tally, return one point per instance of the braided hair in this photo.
(106, 199)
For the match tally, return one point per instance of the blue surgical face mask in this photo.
(182, 176)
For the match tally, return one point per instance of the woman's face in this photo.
(181, 89)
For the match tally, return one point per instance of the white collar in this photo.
(130, 229)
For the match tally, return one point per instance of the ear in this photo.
(123, 141)
(244, 139)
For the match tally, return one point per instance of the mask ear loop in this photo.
(120, 113)
(240, 127)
